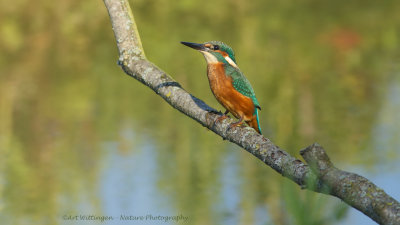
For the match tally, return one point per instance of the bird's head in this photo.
(214, 52)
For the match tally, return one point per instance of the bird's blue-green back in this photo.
(241, 84)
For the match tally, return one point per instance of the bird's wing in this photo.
(241, 84)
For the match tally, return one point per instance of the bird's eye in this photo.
(216, 47)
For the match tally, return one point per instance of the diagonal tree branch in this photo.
(319, 175)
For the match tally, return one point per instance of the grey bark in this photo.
(318, 174)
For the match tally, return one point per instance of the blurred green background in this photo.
(79, 137)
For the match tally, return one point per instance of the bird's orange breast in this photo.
(222, 88)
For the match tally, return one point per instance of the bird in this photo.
(228, 84)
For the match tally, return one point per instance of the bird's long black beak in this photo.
(196, 46)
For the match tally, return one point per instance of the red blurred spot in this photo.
(342, 39)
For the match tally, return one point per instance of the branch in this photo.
(319, 175)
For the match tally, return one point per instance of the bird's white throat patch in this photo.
(210, 58)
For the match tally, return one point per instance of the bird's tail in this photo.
(255, 122)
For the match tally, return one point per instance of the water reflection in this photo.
(128, 186)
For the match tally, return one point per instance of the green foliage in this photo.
(307, 208)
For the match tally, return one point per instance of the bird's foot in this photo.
(236, 124)
(219, 119)
(222, 117)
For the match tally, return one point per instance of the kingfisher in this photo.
(228, 84)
